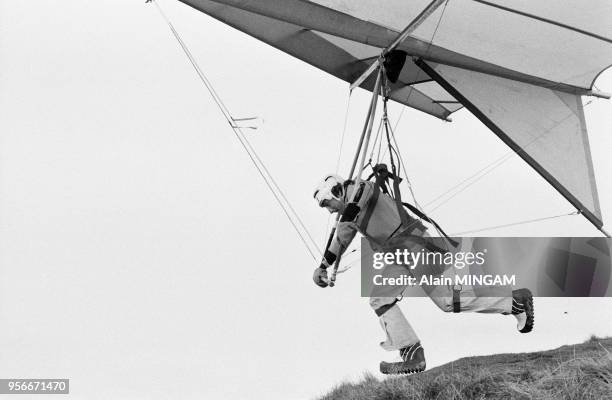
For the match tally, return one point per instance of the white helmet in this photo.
(331, 187)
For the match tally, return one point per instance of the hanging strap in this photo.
(383, 309)
(457, 299)
(425, 218)
(383, 175)
(404, 217)
(378, 183)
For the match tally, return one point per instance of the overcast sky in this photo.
(141, 255)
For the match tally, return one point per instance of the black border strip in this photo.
(510, 143)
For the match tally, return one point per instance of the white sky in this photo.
(141, 256)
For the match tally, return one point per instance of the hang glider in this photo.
(520, 66)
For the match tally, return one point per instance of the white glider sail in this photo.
(335, 42)
(545, 127)
(565, 42)
(521, 66)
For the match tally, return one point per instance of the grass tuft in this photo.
(573, 372)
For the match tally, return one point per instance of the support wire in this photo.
(254, 157)
(528, 221)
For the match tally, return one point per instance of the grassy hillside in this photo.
(577, 372)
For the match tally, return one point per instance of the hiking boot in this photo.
(413, 360)
(522, 309)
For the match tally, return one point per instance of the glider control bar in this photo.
(362, 149)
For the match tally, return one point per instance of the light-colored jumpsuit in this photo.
(383, 230)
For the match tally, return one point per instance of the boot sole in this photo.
(529, 310)
(401, 368)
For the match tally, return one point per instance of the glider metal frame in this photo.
(414, 24)
(365, 136)
(377, 65)
(513, 145)
(367, 130)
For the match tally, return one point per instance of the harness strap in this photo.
(456, 299)
(383, 175)
(424, 217)
(372, 201)
(398, 201)
(383, 309)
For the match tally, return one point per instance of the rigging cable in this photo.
(346, 113)
(445, 238)
(374, 144)
(254, 157)
(478, 175)
(516, 223)
(408, 183)
(340, 147)
(396, 124)
(429, 44)
(433, 35)
(493, 165)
